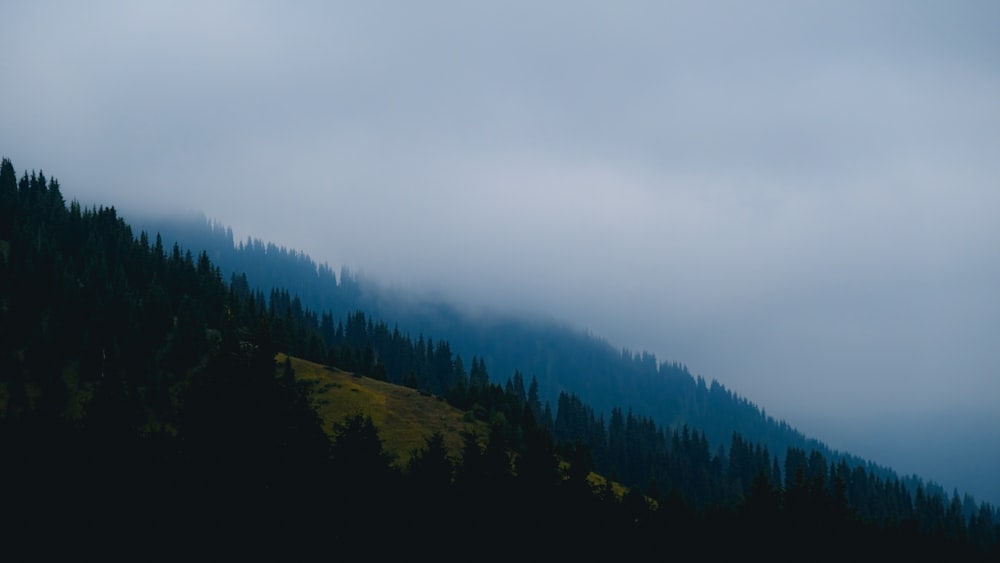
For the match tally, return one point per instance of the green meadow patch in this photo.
(404, 417)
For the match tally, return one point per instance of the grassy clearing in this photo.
(405, 418)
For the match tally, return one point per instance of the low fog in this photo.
(798, 200)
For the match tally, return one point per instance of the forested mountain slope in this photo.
(138, 384)
(562, 359)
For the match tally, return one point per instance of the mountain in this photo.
(139, 385)
(561, 358)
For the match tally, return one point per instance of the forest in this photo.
(142, 408)
(562, 360)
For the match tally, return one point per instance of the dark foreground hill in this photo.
(143, 411)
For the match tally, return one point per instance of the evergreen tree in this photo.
(430, 467)
(8, 199)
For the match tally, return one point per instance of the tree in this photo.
(478, 378)
(358, 455)
(534, 402)
(430, 468)
(537, 466)
(8, 198)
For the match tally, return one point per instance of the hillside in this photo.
(405, 417)
(560, 358)
(137, 382)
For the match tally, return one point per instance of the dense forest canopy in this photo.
(563, 360)
(139, 378)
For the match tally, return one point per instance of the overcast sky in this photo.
(798, 199)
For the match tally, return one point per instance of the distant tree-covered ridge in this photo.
(562, 360)
(139, 383)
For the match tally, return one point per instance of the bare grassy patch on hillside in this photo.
(405, 418)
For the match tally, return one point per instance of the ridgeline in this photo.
(191, 409)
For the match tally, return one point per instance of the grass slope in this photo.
(405, 417)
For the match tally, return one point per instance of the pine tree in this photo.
(8, 199)
(430, 467)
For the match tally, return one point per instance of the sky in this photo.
(798, 199)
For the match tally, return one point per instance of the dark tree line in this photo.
(680, 464)
(563, 360)
(139, 385)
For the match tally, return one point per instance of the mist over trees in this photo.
(561, 359)
(140, 380)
